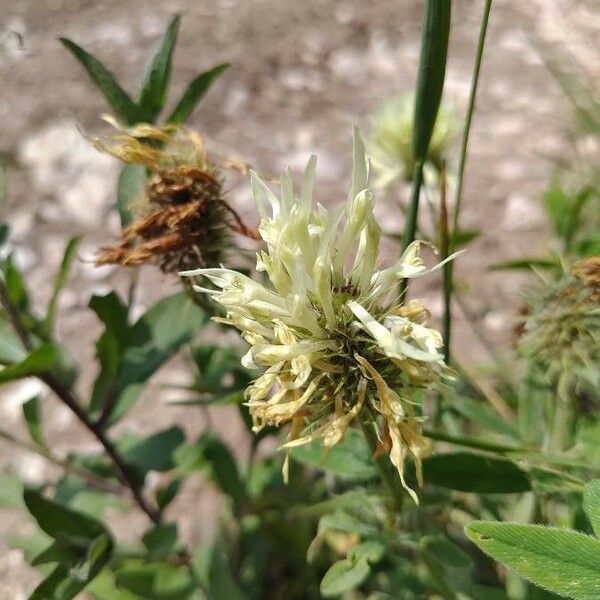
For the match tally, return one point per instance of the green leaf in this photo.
(15, 285)
(469, 472)
(214, 572)
(224, 469)
(483, 415)
(158, 73)
(58, 586)
(152, 453)
(31, 412)
(155, 581)
(130, 185)
(432, 69)
(11, 347)
(524, 264)
(561, 560)
(123, 106)
(160, 541)
(462, 237)
(60, 282)
(446, 552)
(342, 576)
(193, 94)
(41, 360)
(138, 351)
(350, 458)
(591, 504)
(372, 551)
(61, 522)
(151, 342)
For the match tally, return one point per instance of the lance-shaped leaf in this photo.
(123, 106)
(194, 93)
(60, 282)
(158, 73)
(41, 360)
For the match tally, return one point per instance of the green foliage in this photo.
(154, 85)
(565, 562)
(130, 354)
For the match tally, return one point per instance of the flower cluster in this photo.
(329, 330)
(390, 146)
(562, 334)
(181, 220)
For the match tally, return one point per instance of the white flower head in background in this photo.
(390, 144)
(329, 330)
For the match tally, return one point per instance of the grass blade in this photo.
(435, 33)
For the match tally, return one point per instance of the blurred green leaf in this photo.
(130, 186)
(15, 285)
(469, 472)
(132, 354)
(525, 264)
(60, 282)
(39, 361)
(464, 236)
(11, 347)
(156, 79)
(160, 541)
(213, 570)
(194, 93)
(223, 466)
(152, 453)
(591, 504)
(61, 522)
(561, 560)
(344, 575)
(372, 551)
(483, 415)
(350, 458)
(31, 412)
(155, 581)
(123, 106)
(445, 551)
(59, 585)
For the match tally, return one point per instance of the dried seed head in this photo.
(562, 333)
(181, 221)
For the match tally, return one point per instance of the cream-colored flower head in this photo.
(390, 146)
(329, 330)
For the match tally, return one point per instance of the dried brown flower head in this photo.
(181, 221)
(587, 270)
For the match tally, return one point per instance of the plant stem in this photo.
(410, 227)
(386, 470)
(71, 402)
(470, 111)
(449, 268)
(88, 476)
